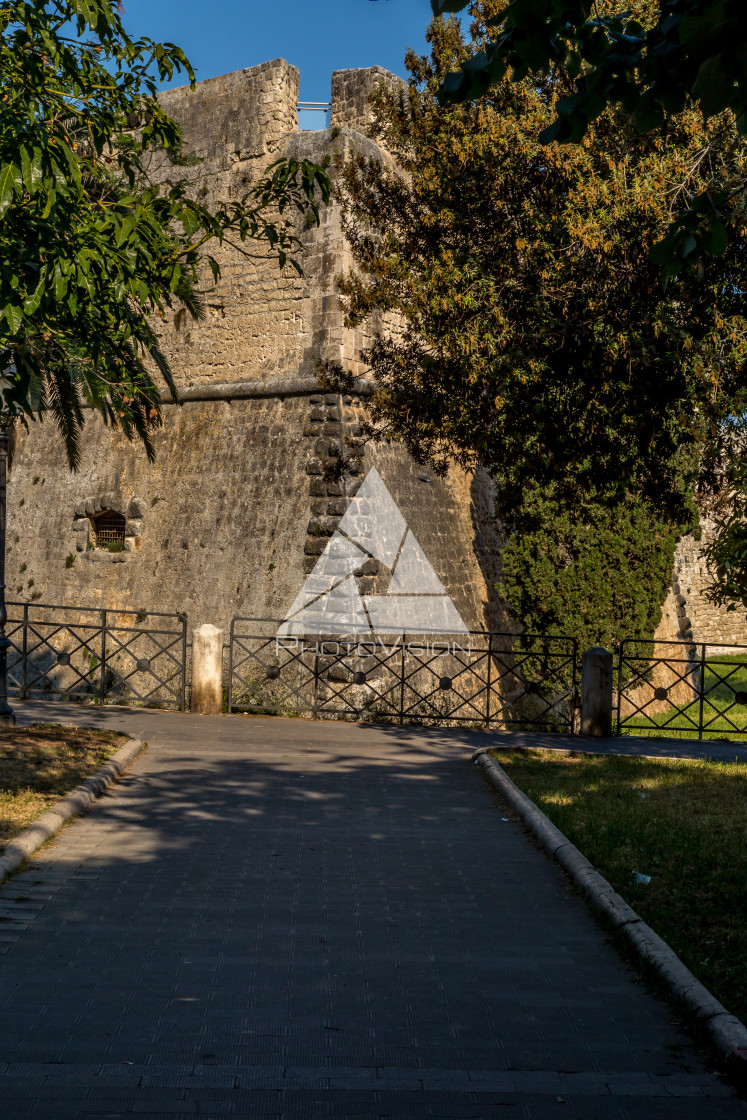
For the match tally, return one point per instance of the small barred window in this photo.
(108, 530)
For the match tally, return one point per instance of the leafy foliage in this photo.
(90, 248)
(520, 324)
(592, 572)
(653, 60)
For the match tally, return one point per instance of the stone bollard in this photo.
(207, 670)
(596, 692)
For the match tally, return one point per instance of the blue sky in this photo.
(318, 36)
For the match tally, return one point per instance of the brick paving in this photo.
(279, 918)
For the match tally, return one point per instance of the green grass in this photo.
(40, 764)
(688, 832)
(725, 675)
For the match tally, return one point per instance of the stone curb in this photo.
(727, 1031)
(72, 805)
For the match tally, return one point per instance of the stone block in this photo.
(331, 399)
(133, 528)
(80, 509)
(320, 527)
(314, 466)
(596, 692)
(207, 670)
(315, 546)
(331, 428)
(137, 507)
(90, 507)
(318, 488)
(336, 507)
(370, 568)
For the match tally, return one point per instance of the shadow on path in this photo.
(280, 918)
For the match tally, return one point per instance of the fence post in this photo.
(207, 670)
(402, 684)
(25, 649)
(102, 682)
(489, 684)
(596, 692)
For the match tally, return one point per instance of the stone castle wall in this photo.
(235, 510)
(698, 618)
(233, 513)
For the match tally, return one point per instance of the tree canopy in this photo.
(519, 323)
(532, 334)
(595, 571)
(90, 248)
(653, 60)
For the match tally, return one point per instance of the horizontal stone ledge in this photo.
(246, 390)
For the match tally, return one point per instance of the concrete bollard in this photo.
(596, 692)
(207, 670)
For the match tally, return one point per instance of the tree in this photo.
(654, 61)
(591, 571)
(91, 250)
(536, 338)
(522, 326)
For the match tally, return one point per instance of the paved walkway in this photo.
(272, 918)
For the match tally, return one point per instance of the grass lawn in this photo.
(40, 764)
(725, 679)
(682, 822)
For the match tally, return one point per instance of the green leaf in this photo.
(719, 239)
(32, 302)
(9, 178)
(31, 169)
(714, 85)
(13, 316)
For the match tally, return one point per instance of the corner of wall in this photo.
(351, 90)
(244, 114)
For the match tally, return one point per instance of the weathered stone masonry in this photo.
(237, 506)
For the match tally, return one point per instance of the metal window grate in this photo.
(108, 527)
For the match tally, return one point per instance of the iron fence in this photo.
(684, 689)
(95, 655)
(484, 679)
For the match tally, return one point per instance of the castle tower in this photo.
(241, 502)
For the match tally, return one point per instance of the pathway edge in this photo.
(71, 805)
(727, 1031)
